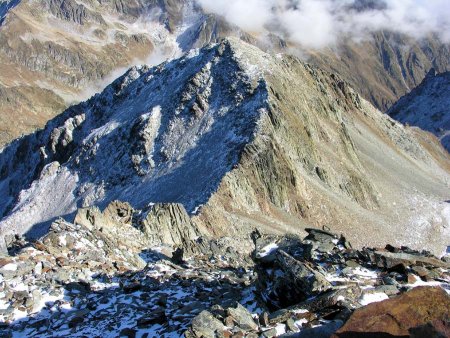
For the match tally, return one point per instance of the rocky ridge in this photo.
(427, 106)
(241, 139)
(104, 275)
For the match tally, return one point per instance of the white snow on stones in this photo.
(10, 267)
(267, 250)
(369, 298)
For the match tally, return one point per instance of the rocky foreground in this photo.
(103, 277)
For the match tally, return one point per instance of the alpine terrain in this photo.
(237, 147)
(218, 184)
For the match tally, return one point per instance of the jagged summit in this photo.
(241, 139)
(427, 106)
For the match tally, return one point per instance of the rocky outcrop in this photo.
(397, 316)
(170, 224)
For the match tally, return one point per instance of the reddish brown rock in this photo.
(394, 317)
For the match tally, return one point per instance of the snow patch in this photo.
(10, 267)
(267, 250)
(369, 298)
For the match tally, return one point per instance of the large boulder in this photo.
(396, 316)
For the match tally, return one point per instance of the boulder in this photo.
(242, 317)
(323, 241)
(390, 260)
(394, 317)
(299, 275)
(205, 325)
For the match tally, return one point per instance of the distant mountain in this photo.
(54, 53)
(427, 106)
(386, 66)
(241, 139)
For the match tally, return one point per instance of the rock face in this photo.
(170, 224)
(395, 317)
(241, 139)
(427, 107)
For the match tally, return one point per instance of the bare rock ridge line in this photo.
(427, 106)
(232, 138)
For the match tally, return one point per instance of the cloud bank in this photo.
(320, 23)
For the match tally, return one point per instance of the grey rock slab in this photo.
(242, 317)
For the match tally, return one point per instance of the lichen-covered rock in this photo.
(396, 316)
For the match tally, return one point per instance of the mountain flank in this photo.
(240, 139)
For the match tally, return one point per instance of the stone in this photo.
(331, 299)
(389, 260)
(300, 276)
(324, 331)
(421, 271)
(397, 315)
(157, 316)
(290, 324)
(264, 319)
(205, 325)
(228, 321)
(270, 333)
(128, 332)
(75, 321)
(389, 290)
(242, 317)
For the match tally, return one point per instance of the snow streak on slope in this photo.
(428, 106)
(165, 134)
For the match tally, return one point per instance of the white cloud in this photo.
(320, 23)
(250, 15)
